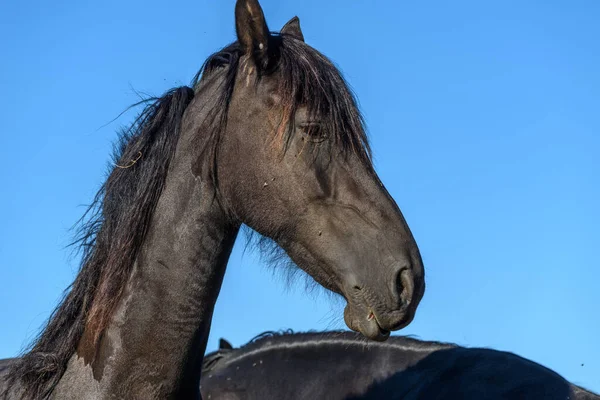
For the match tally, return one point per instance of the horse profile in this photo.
(269, 135)
(343, 366)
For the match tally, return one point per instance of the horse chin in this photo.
(365, 324)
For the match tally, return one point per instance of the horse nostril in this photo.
(407, 283)
(404, 287)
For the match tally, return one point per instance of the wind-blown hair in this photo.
(110, 234)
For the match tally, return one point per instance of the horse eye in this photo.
(313, 132)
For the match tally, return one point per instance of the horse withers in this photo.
(343, 366)
(269, 135)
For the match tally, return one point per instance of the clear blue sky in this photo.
(485, 127)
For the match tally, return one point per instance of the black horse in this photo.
(268, 136)
(342, 365)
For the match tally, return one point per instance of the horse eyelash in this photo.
(314, 131)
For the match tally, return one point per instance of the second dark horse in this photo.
(342, 366)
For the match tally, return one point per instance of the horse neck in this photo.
(154, 344)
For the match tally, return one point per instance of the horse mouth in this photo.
(368, 325)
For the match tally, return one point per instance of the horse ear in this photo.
(292, 28)
(224, 345)
(251, 28)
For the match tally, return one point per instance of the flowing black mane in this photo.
(114, 226)
(109, 235)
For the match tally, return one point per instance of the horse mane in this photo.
(109, 236)
(114, 226)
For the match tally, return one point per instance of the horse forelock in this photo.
(305, 78)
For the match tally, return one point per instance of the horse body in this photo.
(341, 365)
(269, 136)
